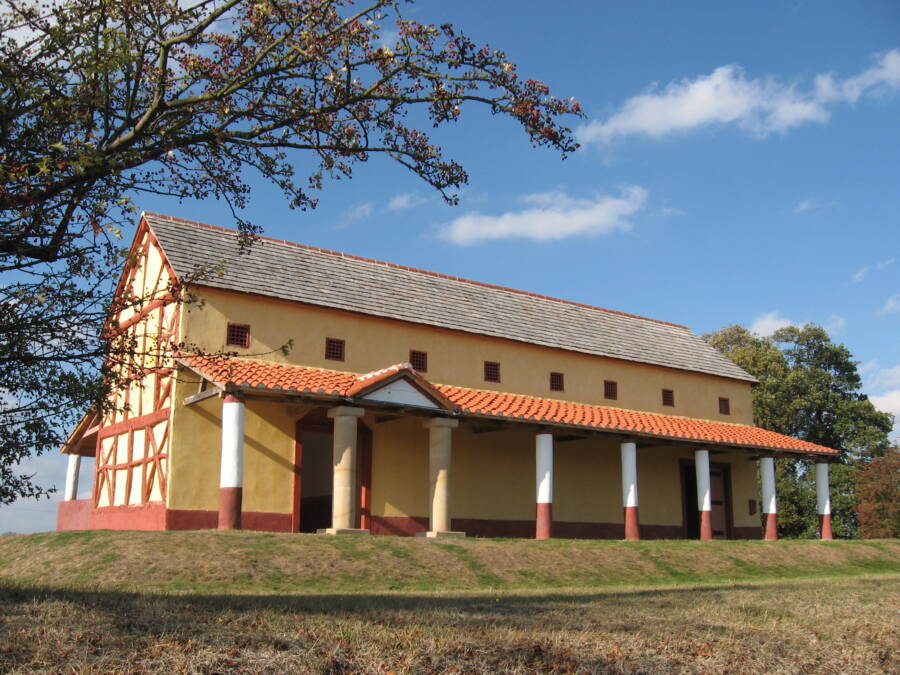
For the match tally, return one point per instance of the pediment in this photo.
(400, 392)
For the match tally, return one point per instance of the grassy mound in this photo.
(264, 563)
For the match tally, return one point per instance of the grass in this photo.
(251, 602)
(253, 562)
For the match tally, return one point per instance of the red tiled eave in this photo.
(275, 377)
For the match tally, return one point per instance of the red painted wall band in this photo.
(771, 527)
(543, 522)
(230, 499)
(524, 529)
(825, 526)
(632, 524)
(706, 525)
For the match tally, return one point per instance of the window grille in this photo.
(610, 389)
(334, 349)
(491, 371)
(419, 360)
(557, 382)
(238, 335)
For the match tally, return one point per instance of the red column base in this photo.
(705, 525)
(543, 522)
(230, 508)
(632, 525)
(771, 527)
(825, 526)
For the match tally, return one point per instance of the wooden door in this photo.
(719, 502)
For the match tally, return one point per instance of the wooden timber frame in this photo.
(133, 441)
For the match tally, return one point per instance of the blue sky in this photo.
(740, 164)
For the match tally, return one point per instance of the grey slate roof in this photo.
(313, 276)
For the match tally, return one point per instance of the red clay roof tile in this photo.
(245, 373)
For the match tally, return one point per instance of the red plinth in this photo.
(230, 508)
(705, 525)
(771, 527)
(825, 526)
(543, 522)
(632, 526)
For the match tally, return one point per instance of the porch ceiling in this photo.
(318, 383)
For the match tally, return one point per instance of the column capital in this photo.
(438, 422)
(345, 411)
(232, 397)
(544, 431)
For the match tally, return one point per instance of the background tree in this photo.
(104, 100)
(809, 387)
(878, 491)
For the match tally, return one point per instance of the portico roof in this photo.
(319, 383)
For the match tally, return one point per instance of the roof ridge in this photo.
(418, 270)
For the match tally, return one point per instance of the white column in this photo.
(343, 498)
(823, 500)
(704, 498)
(543, 456)
(231, 473)
(72, 471)
(769, 502)
(629, 490)
(440, 430)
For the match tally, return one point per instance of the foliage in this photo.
(809, 388)
(878, 490)
(102, 101)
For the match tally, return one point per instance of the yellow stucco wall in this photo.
(196, 452)
(454, 357)
(492, 473)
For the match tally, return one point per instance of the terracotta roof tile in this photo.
(245, 373)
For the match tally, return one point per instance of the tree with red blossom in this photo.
(878, 491)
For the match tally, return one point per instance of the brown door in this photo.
(720, 496)
(719, 503)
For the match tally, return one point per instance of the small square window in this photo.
(668, 397)
(238, 335)
(491, 371)
(610, 389)
(334, 349)
(557, 382)
(418, 360)
(724, 406)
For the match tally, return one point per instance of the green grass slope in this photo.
(264, 563)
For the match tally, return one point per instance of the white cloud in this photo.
(891, 305)
(889, 401)
(726, 96)
(358, 212)
(551, 216)
(835, 324)
(805, 205)
(862, 272)
(669, 211)
(405, 201)
(886, 378)
(766, 324)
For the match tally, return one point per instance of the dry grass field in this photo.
(160, 602)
